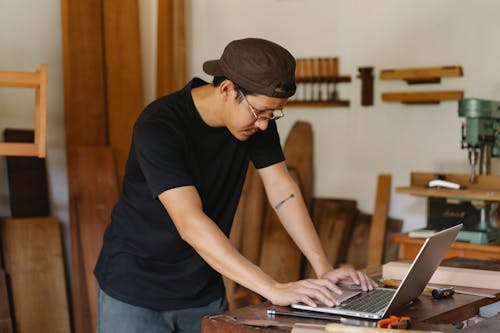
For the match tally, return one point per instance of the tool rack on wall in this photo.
(317, 80)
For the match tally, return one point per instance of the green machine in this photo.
(481, 138)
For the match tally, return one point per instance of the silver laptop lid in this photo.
(423, 267)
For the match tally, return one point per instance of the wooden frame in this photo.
(37, 80)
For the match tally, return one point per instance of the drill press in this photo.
(481, 138)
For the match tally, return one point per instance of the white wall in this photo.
(352, 145)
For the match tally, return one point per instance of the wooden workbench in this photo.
(426, 313)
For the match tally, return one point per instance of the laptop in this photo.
(380, 302)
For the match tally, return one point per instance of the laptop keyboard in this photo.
(372, 301)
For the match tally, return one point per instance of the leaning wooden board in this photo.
(334, 219)
(32, 250)
(299, 156)
(85, 118)
(96, 192)
(123, 74)
(28, 186)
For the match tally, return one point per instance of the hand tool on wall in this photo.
(366, 76)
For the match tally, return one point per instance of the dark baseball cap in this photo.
(257, 65)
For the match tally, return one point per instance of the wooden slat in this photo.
(420, 73)
(123, 74)
(423, 96)
(27, 177)
(84, 80)
(41, 113)
(334, 219)
(16, 79)
(95, 194)
(32, 250)
(171, 46)
(85, 120)
(379, 221)
(18, 149)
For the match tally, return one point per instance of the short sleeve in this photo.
(265, 147)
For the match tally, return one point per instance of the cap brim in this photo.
(212, 67)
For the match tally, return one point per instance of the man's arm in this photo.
(195, 227)
(286, 199)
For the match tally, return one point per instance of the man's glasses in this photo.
(275, 114)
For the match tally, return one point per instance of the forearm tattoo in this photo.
(284, 200)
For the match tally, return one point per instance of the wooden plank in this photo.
(18, 149)
(420, 73)
(85, 119)
(423, 96)
(123, 75)
(379, 221)
(334, 219)
(171, 46)
(95, 194)
(27, 178)
(32, 250)
(454, 276)
(298, 152)
(280, 257)
(357, 252)
(5, 315)
(84, 73)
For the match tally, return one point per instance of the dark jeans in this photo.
(116, 316)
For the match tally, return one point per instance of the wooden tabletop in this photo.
(426, 314)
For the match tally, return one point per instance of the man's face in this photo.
(253, 113)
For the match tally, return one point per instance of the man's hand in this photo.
(350, 275)
(304, 291)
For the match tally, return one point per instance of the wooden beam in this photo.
(377, 230)
(33, 254)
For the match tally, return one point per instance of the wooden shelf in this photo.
(471, 195)
(421, 75)
(427, 97)
(486, 187)
(339, 103)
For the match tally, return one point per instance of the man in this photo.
(167, 245)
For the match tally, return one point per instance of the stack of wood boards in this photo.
(103, 97)
(33, 256)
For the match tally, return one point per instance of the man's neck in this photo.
(208, 104)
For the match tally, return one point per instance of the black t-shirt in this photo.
(143, 260)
